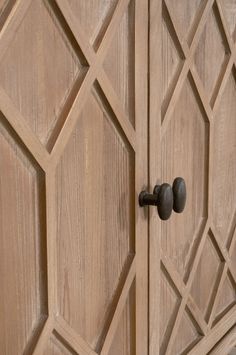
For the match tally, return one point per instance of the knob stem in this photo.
(146, 199)
(162, 198)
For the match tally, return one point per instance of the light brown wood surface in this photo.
(73, 158)
(193, 135)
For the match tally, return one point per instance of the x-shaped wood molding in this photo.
(48, 160)
(210, 107)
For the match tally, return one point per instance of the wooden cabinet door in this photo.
(73, 157)
(193, 135)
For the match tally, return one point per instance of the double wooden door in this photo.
(83, 269)
(73, 155)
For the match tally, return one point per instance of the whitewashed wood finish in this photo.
(192, 134)
(23, 274)
(73, 138)
(91, 228)
(94, 17)
(121, 72)
(55, 347)
(43, 89)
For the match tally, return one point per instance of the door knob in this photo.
(166, 198)
(162, 197)
(180, 194)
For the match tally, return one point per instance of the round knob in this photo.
(162, 197)
(165, 200)
(180, 194)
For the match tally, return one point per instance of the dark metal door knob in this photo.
(166, 198)
(162, 197)
(180, 194)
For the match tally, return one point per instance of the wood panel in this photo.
(55, 346)
(119, 64)
(188, 336)
(184, 148)
(226, 345)
(169, 295)
(23, 302)
(192, 131)
(124, 339)
(226, 297)
(224, 169)
(94, 17)
(5, 8)
(211, 53)
(45, 75)
(3, 4)
(75, 158)
(96, 226)
(186, 14)
(229, 8)
(203, 295)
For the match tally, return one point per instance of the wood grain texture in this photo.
(234, 252)
(210, 261)
(39, 80)
(210, 55)
(193, 55)
(124, 340)
(226, 345)
(227, 297)
(170, 296)
(171, 56)
(229, 7)
(97, 223)
(141, 175)
(118, 65)
(119, 309)
(184, 153)
(3, 4)
(224, 162)
(185, 14)
(5, 9)
(55, 346)
(78, 240)
(94, 17)
(154, 149)
(188, 336)
(215, 335)
(23, 304)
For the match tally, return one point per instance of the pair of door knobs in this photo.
(166, 198)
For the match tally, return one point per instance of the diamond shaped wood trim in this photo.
(233, 253)
(23, 262)
(42, 82)
(119, 65)
(206, 276)
(5, 9)
(188, 132)
(188, 335)
(211, 53)
(91, 228)
(56, 346)
(171, 56)
(185, 12)
(124, 339)
(170, 297)
(94, 17)
(224, 161)
(229, 7)
(227, 298)
(207, 20)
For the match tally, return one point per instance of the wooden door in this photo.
(193, 135)
(73, 157)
